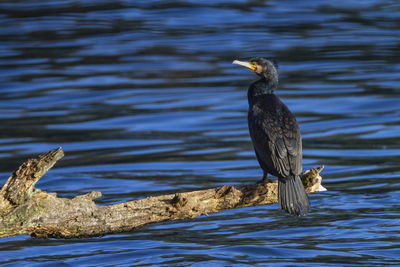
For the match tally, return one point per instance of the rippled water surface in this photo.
(144, 100)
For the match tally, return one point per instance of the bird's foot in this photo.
(264, 180)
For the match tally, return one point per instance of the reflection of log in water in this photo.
(27, 210)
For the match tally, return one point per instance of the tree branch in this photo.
(27, 210)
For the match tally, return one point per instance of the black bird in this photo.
(276, 136)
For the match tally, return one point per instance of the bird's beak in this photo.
(245, 64)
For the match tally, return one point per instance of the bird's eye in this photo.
(253, 63)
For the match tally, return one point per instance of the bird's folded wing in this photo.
(276, 139)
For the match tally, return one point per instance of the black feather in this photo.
(292, 197)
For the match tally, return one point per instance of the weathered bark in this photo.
(27, 210)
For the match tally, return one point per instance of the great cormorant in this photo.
(276, 136)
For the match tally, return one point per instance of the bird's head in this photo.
(263, 67)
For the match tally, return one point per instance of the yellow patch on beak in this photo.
(245, 64)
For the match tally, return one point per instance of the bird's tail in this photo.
(292, 196)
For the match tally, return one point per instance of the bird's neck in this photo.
(263, 86)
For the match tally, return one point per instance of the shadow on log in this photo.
(27, 210)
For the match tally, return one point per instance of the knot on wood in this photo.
(178, 201)
(223, 191)
(228, 191)
(257, 193)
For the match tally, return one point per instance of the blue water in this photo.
(143, 98)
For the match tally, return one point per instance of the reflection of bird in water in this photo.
(276, 136)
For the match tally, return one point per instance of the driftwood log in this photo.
(25, 209)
